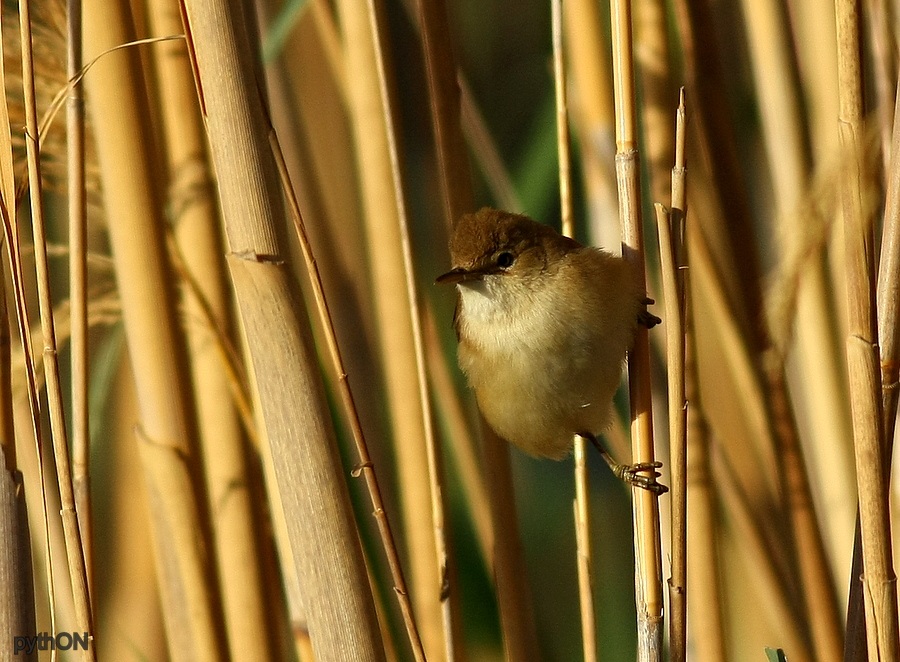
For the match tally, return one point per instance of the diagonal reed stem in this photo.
(365, 467)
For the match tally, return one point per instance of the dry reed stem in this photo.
(582, 490)
(166, 435)
(7, 199)
(450, 621)
(883, 52)
(444, 99)
(648, 565)
(888, 293)
(581, 508)
(73, 538)
(14, 256)
(653, 62)
(772, 590)
(17, 596)
(670, 230)
(593, 115)
(879, 580)
(514, 597)
(390, 269)
(323, 537)
(703, 569)
(365, 467)
(730, 243)
(197, 229)
(784, 141)
(78, 295)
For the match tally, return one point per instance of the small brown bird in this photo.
(543, 325)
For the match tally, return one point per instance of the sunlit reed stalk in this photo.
(889, 291)
(17, 604)
(196, 227)
(323, 537)
(814, 346)
(14, 257)
(74, 547)
(648, 566)
(78, 342)
(394, 298)
(166, 435)
(582, 489)
(872, 468)
(450, 624)
(670, 226)
(366, 467)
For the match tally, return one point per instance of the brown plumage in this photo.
(543, 326)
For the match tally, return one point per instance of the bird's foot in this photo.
(646, 318)
(632, 474)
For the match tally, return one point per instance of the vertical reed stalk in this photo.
(323, 538)
(648, 566)
(197, 230)
(78, 341)
(703, 567)
(670, 226)
(879, 580)
(385, 228)
(166, 435)
(73, 539)
(448, 596)
(593, 115)
(889, 290)
(582, 490)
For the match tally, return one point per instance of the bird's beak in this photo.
(459, 275)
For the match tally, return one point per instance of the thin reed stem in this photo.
(78, 341)
(450, 623)
(74, 547)
(879, 580)
(670, 226)
(648, 565)
(582, 490)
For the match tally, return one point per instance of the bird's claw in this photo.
(632, 474)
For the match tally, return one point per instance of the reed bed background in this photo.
(218, 268)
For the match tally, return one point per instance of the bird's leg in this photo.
(645, 317)
(630, 473)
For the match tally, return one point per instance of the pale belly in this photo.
(538, 399)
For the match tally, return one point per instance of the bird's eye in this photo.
(505, 260)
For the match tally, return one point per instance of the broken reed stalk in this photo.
(450, 621)
(166, 435)
(872, 466)
(648, 566)
(73, 538)
(78, 297)
(196, 227)
(323, 536)
(365, 467)
(582, 490)
(673, 266)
